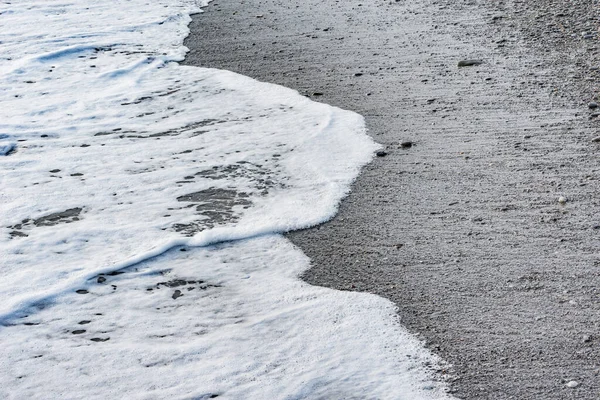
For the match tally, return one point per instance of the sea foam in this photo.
(119, 159)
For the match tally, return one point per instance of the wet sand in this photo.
(463, 230)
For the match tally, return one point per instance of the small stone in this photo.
(469, 63)
(562, 200)
(592, 105)
(101, 279)
(596, 140)
(406, 145)
(177, 294)
(78, 331)
(53, 171)
(381, 153)
(81, 291)
(97, 339)
(587, 338)
(317, 94)
(572, 384)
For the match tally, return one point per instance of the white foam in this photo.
(118, 154)
(244, 327)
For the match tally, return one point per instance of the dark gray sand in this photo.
(464, 229)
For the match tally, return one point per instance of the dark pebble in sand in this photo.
(97, 339)
(469, 63)
(381, 153)
(101, 279)
(53, 171)
(81, 291)
(317, 94)
(406, 145)
(84, 322)
(78, 331)
(593, 105)
(177, 294)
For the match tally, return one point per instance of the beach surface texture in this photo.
(479, 217)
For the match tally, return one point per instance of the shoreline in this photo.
(463, 230)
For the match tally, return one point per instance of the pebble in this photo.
(572, 384)
(469, 63)
(562, 200)
(596, 139)
(406, 145)
(592, 105)
(381, 153)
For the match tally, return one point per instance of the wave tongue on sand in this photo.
(142, 207)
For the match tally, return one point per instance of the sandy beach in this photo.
(479, 217)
